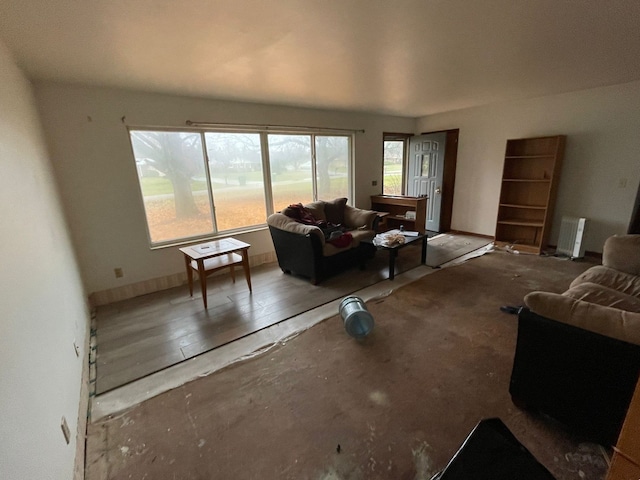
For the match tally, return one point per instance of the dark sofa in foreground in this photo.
(306, 250)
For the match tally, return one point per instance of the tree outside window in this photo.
(187, 194)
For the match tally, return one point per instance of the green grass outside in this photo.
(162, 186)
(392, 168)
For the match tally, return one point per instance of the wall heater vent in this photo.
(571, 240)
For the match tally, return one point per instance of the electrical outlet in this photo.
(119, 273)
(374, 183)
(76, 347)
(65, 430)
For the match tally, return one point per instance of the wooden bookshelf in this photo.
(396, 207)
(529, 184)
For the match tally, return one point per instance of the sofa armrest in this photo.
(608, 321)
(282, 222)
(357, 217)
(298, 253)
(622, 252)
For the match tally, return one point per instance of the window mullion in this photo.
(351, 168)
(266, 172)
(314, 170)
(208, 178)
(405, 165)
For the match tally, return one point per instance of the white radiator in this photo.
(571, 240)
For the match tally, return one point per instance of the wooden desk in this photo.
(210, 257)
(396, 207)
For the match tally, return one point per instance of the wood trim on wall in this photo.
(472, 234)
(112, 295)
(396, 136)
(448, 176)
(449, 179)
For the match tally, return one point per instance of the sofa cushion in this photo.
(334, 211)
(281, 221)
(358, 218)
(608, 297)
(360, 235)
(317, 210)
(608, 321)
(621, 253)
(329, 249)
(610, 278)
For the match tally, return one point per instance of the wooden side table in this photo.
(207, 258)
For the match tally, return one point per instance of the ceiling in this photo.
(403, 57)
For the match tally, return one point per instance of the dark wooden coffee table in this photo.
(393, 249)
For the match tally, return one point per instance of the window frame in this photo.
(398, 137)
(263, 132)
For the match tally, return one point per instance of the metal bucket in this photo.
(358, 322)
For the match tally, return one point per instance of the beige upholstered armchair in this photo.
(577, 357)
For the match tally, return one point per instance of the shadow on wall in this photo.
(586, 185)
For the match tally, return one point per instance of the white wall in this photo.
(95, 168)
(96, 173)
(603, 147)
(41, 298)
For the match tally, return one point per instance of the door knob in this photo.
(438, 190)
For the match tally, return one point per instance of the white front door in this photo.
(425, 173)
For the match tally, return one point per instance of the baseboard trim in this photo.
(112, 295)
(587, 253)
(595, 255)
(472, 234)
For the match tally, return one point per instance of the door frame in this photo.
(400, 137)
(448, 177)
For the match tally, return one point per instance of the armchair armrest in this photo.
(608, 321)
(622, 252)
(282, 222)
(357, 217)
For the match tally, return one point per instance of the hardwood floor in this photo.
(145, 334)
(142, 335)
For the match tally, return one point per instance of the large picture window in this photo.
(198, 183)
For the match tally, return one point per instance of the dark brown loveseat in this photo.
(306, 250)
